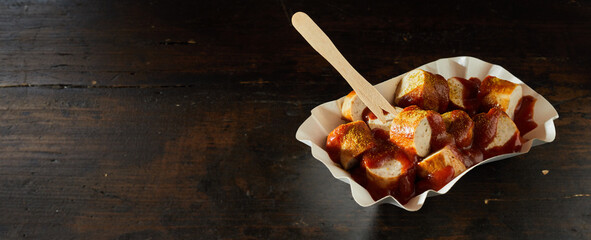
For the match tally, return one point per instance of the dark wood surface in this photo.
(177, 119)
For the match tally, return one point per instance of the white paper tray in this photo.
(327, 116)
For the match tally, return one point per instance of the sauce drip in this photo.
(381, 136)
(406, 186)
(524, 115)
(367, 115)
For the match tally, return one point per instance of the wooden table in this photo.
(177, 119)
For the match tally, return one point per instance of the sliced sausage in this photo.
(346, 142)
(352, 109)
(424, 89)
(412, 130)
(374, 123)
(389, 169)
(459, 124)
(499, 93)
(449, 156)
(463, 94)
(495, 133)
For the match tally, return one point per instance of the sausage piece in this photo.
(459, 124)
(463, 94)
(346, 142)
(495, 133)
(412, 131)
(374, 123)
(352, 108)
(386, 167)
(499, 93)
(449, 156)
(424, 89)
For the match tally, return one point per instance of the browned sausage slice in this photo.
(499, 93)
(424, 89)
(348, 141)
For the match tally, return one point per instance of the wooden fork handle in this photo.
(323, 45)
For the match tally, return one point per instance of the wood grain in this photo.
(176, 119)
